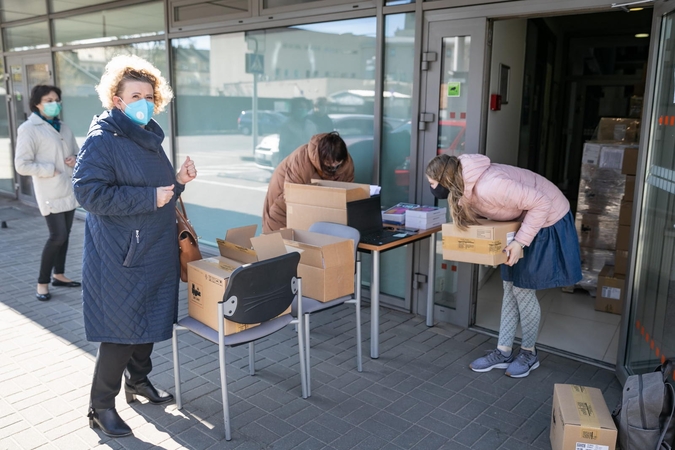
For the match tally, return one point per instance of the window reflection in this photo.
(110, 24)
(79, 71)
(244, 100)
(27, 37)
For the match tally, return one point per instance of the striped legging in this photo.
(519, 306)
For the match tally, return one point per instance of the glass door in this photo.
(651, 335)
(452, 122)
(24, 73)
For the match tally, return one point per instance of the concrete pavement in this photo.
(419, 394)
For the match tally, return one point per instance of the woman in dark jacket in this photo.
(130, 262)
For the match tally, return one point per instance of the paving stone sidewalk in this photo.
(419, 394)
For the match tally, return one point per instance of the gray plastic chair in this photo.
(309, 305)
(255, 293)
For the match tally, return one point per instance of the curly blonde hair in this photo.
(123, 68)
(447, 170)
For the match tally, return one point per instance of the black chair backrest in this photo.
(262, 290)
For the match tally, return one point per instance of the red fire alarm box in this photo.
(495, 102)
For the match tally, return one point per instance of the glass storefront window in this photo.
(22, 9)
(110, 24)
(78, 71)
(200, 10)
(235, 94)
(65, 5)
(27, 37)
(399, 51)
(650, 336)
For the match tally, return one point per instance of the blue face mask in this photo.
(140, 112)
(52, 109)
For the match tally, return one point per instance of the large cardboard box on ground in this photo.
(208, 277)
(580, 416)
(321, 200)
(623, 237)
(596, 230)
(611, 291)
(625, 212)
(479, 244)
(326, 264)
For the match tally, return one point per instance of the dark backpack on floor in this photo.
(644, 417)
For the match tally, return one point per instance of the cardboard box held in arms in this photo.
(326, 263)
(322, 200)
(479, 244)
(580, 419)
(207, 278)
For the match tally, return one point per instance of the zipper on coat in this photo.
(132, 248)
(642, 403)
(138, 241)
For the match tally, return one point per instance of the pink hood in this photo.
(501, 192)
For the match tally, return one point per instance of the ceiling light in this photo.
(642, 35)
(635, 9)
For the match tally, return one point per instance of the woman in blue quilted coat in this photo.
(130, 263)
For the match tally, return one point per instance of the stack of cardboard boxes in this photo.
(326, 268)
(612, 279)
(603, 210)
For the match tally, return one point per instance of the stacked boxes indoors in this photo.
(604, 210)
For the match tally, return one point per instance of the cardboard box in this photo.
(207, 280)
(424, 217)
(326, 264)
(597, 231)
(580, 416)
(623, 237)
(619, 129)
(321, 200)
(611, 291)
(208, 277)
(629, 188)
(479, 244)
(625, 213)
(621, 262)
(630, 160)
(396, 214)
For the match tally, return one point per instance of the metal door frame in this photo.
(12, 100)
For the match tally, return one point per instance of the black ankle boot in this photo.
(110, 423)
(147, 390)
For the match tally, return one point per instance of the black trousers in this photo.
(54, 253)
(112, 361)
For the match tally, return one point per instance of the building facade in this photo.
(524, 82)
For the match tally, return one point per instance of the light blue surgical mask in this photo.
(52, 109)
(140, 111)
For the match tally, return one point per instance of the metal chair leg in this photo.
(176, 367)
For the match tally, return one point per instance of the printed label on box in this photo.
(611, 292)
(583, 446)
(510, 237)
(591, 153)
(611, 158)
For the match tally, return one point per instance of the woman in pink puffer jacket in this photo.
(476, 188)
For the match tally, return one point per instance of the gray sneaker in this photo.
(493, 359)
(525, 362)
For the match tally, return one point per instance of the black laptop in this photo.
(366, 216)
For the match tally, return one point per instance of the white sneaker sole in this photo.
(523, 375)
(487, 369)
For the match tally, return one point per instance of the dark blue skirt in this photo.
(551, 260)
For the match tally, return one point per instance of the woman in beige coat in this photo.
(46, 151)
(324, 157)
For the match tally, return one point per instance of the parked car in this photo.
(268, 122)
(357, 130)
